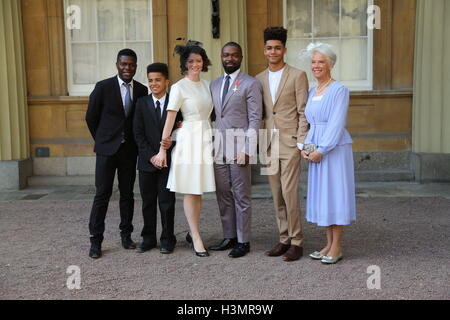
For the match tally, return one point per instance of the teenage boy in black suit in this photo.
(148, 125)
(110, 118)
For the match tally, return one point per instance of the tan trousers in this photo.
(285, 192)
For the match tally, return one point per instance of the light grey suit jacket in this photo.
(240, 113)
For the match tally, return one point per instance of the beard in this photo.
(231, 69)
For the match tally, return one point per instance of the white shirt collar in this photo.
(233, 76)
(161, 100)
(279, 71)
(121, 82)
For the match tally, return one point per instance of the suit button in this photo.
(274, 113)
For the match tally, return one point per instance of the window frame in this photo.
(353, 85)
(82, 90)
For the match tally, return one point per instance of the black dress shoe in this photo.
(127, 243)
(224, 245)
(143, 247)
(166, 250)
(95, 252)
(240, 250)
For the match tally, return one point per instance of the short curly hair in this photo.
(275, 33)
(187, 50)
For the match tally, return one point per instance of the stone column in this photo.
(15, 165)
(233, 27)
(431, 107)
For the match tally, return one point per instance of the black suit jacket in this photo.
(148, 133)
(105, 115)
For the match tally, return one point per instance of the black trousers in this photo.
(154, 192)
(124, 161)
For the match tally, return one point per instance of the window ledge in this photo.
(57, 100)
(383, 93)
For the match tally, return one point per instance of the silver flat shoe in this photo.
(316, 255)
(331, 260)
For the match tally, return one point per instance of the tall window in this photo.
(96, 30)
(341, 23)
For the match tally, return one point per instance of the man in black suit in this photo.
(110, 118)
(149, 120)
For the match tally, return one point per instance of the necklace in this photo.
(319, 90)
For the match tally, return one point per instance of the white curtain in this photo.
(339, 23)
(107, 26)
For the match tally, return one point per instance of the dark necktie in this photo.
(128, 102)
(225, 88)
(158, 111)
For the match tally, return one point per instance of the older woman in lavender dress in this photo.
(328, 148)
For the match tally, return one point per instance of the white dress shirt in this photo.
(123, 90)
(233, 77)
(274, 82)
(161, 101)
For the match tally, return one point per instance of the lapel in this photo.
(151, 109)
(118, 94)
(266, 89)
(164, 115)
(284, 78)
(231, 92)
(216, 91)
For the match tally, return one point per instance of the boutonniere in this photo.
(236, 86)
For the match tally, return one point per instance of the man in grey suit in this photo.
(237, 101)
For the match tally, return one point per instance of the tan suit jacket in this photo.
(287, 115)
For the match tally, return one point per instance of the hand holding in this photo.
(243, 159)
(153, 162)
(161, 159)
(166, 143)
(315, 157)
(305, 155)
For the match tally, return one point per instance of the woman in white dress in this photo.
(191, 171)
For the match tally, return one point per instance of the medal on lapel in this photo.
(236, 86)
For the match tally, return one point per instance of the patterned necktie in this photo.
(128, 102)
(158, 111)
(225, 88)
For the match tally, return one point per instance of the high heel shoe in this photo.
(199, 254)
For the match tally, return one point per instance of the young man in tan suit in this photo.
(285, 92)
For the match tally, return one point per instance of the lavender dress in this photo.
(331, 183)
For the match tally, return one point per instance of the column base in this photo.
(14, 174)
(431, 167)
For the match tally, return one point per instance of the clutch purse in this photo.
(309, 147)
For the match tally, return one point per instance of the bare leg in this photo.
(329, 232)
(336, 248)
(192, 208)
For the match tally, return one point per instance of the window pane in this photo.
(293, 54)
(144, 54)
(110, 20)
(354, 59)
(326, 18)
(107, 59)
(84, 61)
(298, 18)
(354, 17)
(137, 24)
(88, 31)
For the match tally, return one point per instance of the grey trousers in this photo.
(233, 191)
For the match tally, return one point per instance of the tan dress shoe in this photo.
(294, 253)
